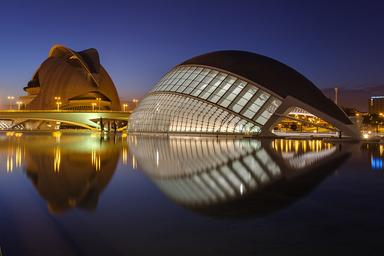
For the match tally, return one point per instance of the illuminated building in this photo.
(232, 92)
(71, 80)
(376, 105)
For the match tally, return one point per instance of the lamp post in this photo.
(99, 101)
(10, 98)
(58, 102)
(135, 101)
(125, 107)
(19, 104)
(93, 106)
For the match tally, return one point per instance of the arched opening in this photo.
(297, 121)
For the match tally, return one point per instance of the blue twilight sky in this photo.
(330, 42)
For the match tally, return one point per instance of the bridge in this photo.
(10, 119)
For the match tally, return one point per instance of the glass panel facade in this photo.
(235, 90)
(256, 104)
(176, 113)
(267, 113)
(200, 99)
(238, 106)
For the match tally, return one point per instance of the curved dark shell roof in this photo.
(273, 75)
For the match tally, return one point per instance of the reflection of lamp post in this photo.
(99, 101)
(93, 106)
(19, 104)
(135, 101)
(125, 107)
(10, 98)
(58, 103)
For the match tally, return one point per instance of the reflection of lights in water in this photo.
(300, 157)
(134, 162)
(96, 159)
(18, 156)
(284, 145)
(124, 155)
(157, 157)
(376, 163)
(9, 163)
(241, 189)
(296, 146)
(10, 156)
(56, 158)
(56, 135)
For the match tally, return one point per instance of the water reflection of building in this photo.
(67, 170)
(303, 153)
(207, 173)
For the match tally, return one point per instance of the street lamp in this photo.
(10, 98)
(125, 107)
(19, 104)
(93, 106)
(98, 100)
(58, 103)
(135, 101)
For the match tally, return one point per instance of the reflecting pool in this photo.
(87, 194)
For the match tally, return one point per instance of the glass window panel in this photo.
(206, 80)
(238, 87)
(222, 89)
(244, 100)
(213, 85)
(267, 113)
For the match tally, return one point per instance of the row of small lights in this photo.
(58, 103)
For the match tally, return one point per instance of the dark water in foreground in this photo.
(64, 194)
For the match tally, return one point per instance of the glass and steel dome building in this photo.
(232, 92)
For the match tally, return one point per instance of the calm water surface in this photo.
(82, 194)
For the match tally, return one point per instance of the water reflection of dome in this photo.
(71, 173)
(210, 175)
